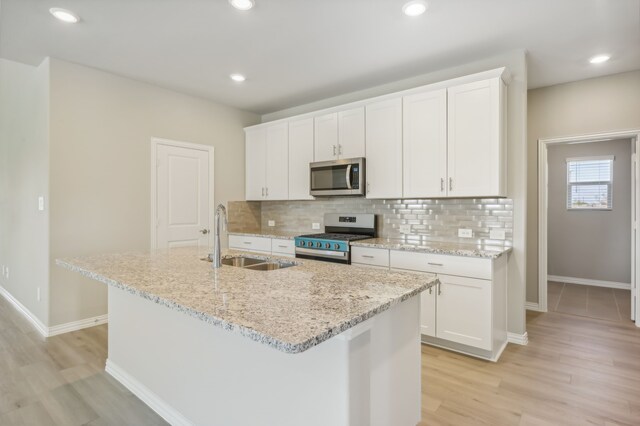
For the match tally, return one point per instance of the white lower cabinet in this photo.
(264, 245)
(467, 311)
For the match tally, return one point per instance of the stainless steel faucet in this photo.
(217, 252)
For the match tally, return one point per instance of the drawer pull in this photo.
(281, 246)
(435, 264)
(367, 256)
(246, 242)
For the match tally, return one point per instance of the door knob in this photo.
(204, 231)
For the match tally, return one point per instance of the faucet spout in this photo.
(217, 251)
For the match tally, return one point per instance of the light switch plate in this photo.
(497, 234)
(405, 229)
(272, 223)
(315, 225)
(465, 233)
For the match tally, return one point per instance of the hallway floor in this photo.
(589, 301)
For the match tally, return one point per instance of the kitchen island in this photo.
(315, 343)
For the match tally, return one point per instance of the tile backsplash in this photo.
(430, 220)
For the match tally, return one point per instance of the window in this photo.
(589, 181)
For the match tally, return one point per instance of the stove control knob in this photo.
(336, 246)
(319, 244)
(302, 243)
(327, 245)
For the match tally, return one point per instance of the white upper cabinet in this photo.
(267, 168)
(351, 133)
(326, 137)
(300, 155)
(384, 149)
(277, 162)
(424, 144)
(255, 164)
(339, 135)
(476, 149)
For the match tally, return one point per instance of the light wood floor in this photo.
(589, 301)
(575, 371)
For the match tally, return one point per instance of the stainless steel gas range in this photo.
(339, 230)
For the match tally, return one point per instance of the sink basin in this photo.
(270, 266)
(241, 261)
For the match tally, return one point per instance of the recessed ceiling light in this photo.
(242, 4)
(599, 59)
(238, 78)
(64, 15)
(414, 8)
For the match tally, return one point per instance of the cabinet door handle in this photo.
(334, 150)
(267, 191)
(435, 264)
(339, 149)
(441, 184)
(431, 290)
(263, 191)
(450, 184)
(439, 288)
(368, 187)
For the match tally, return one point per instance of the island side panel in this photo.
(207, 375)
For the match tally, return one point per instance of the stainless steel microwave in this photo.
(338, 177)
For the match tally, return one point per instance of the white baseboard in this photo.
(34, 320)
(531, 306)
(157, 404)
(520, 339)
(56, 329)
(78, 325)
(585, 281)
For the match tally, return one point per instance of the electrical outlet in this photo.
(497, 234)
(465, 233)
(6, 272)
(405, 229)
(272, 223)
(315, 225)
(41, 203)
(38, 293)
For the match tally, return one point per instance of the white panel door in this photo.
(277, 162)
(326, 137)
(255, 163)
(351, 142)
(384, 149)
(300, 155)
(464, 311)
(182, 197)
(474, 144)
(424, 144)
(428, 312)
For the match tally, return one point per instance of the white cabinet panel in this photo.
(384, 149)
(249, 243)
(300, 155)
(326, 137)
(464, 311)
(255, 166)
(283, 246)
(475, 146)
(351, 143)
(424, 144)
(441, 264)
(370, 256)
(277, 162)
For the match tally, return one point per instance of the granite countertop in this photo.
(290, 309)
(453, 249)
(270, 234)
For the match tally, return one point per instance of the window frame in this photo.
(570, 185)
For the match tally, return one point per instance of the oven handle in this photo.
(321, 253)
(349, 183)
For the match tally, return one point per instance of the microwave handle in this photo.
(349, 177)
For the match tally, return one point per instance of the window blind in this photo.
(589, 183)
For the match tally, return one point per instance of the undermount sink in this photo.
(253, 263)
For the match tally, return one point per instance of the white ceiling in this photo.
(298, 51)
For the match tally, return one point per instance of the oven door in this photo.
(339, 177)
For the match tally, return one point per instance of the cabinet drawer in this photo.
(280, 246)
(370, 256)
(242, 242)
(441, 264)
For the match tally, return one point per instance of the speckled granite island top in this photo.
(291, 309)
(452, 249)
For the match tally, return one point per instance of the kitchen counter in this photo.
(271, 234)
(452, 249)
(291, 309)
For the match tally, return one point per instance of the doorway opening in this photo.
(588, 199)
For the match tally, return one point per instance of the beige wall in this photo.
(596, 105)
(591, 244)
(101, 126)
(24, 166)
(515, 61)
